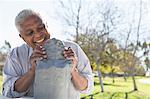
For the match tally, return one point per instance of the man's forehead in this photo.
(31, 21)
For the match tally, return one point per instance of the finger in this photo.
(43, 49)
(39, 56)
(39, 52)
(73, 61)
(69, 55)
(65, 48)
(34, 59)
(68, 51)
(39, 47)
(72, 58)
(69, 48)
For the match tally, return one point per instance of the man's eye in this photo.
(30, 33)
(41, 27)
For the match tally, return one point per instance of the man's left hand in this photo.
(69, 54)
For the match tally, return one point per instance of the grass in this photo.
(119, 90)
(1, 84)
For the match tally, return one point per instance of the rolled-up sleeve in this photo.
(84, 68)
(90, 84)
(8, 88)
(11, 72)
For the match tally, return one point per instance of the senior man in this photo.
(19, 69)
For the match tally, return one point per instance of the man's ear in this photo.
(21, 37)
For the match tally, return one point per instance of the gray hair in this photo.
(20, 18)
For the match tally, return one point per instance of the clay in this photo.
(52, 76)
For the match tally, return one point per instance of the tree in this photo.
(92, 46)
(71, 14)
(4, 50)
(112, 57)
(147, 63)
(131, 48)
(92, 25)
(102, 23)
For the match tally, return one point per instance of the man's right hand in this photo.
(39, 53)
(25, 81)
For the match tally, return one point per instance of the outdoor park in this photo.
(119, 90)
(115, 37)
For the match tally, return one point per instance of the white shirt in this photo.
(17, 64)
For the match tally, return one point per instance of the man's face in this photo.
(33, 31)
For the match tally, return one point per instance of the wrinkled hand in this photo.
(69, 54)
(39, 53)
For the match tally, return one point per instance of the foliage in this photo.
(105, 69)
(1, 83)
(95, 36)
(112, 55)
(139, 71)
(4, 50)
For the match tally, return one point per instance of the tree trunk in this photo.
(125, 77)
(100, 79)
(146, 68)
(134, 83)
(113, 78)
(112, 75)
(78, 22)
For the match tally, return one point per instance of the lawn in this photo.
(120, 89)
(1, 84)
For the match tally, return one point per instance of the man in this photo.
(19, 70)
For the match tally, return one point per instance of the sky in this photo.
(10, 8)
